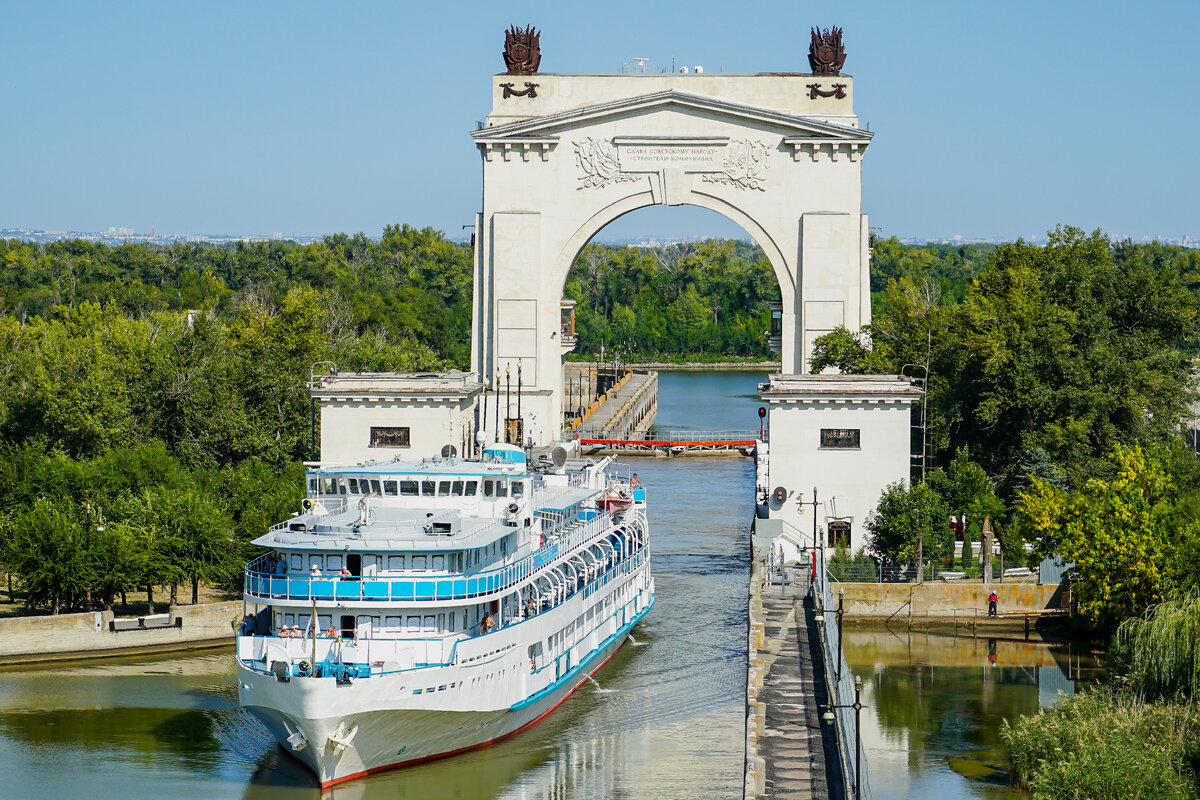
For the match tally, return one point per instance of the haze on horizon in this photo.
(1001, 120)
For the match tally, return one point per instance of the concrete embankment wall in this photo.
(935, 598)
(87, 635)
(756, 710)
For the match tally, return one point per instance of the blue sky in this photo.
(991, 119)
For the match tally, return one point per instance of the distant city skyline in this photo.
(115, 235)
(991, 120)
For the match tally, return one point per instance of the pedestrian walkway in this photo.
(801, 755)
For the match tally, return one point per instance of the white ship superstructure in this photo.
(428, 607)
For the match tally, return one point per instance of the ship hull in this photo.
(391, 738)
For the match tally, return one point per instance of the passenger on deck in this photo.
(315, 571)
(248, 625)
(332, 633)
(487, 623)
(530, 608)
(634, 482)
(281, 567)
(343, 573)
(296, 634)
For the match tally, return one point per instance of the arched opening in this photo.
(665, 283)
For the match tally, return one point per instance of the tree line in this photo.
(153, 409)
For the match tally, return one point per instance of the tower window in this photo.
(844, 438)
(389, 437)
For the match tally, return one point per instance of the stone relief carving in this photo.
(599, 162)
(745, 165)
(530, 90)
(838, 91)
(826, 55)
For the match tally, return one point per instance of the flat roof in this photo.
(453, 382)
(833, 385)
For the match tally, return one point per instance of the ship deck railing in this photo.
(371, 656)
(389, 588)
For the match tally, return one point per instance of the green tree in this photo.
(906, 516)
(1117, 532)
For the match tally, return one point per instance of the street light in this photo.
(857, 705)
(819, 618)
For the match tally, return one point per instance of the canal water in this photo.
(664, 721)
(935, 706)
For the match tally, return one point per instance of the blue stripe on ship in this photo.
(582, 665)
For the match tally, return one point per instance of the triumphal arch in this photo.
(563, 155)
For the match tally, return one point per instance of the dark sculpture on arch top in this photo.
(522, 50)
(826, 54)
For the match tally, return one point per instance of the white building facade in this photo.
(846, 436)
(379, 416)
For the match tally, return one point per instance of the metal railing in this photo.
(844, 690)
(864, 569)
(369, 588)
(364, 657)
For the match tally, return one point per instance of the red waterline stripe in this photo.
(423, 759)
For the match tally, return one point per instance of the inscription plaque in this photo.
(653, 157)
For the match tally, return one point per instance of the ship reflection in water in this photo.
(936, 705)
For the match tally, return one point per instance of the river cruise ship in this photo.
(418, 609)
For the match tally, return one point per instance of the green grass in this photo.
(1107, 744)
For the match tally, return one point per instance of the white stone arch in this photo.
(633, 202)
(562, 163)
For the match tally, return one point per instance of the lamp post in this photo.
(819, 618)
(818, 544)
(857, 705)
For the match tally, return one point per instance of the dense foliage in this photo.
(1107, 744)
(693, 300)
(153, 409)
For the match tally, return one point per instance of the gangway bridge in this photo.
(671, 442)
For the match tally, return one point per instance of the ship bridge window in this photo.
(354, 485)
(456, 489)
(418, 562)
(341, 485)
(408, 488)
(392, 622)
(487, 489)
(518, 488)
(471, 488)
(501, 489)
(427, 488)
(439, 563)
(329, 485)
(389, 488)
(430, 625)
(396, 562)
(413, 625)
(443, 488)
(312, 485)
(375, 488)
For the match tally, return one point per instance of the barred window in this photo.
(840, 437)
(389, 437)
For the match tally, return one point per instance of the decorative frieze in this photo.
(741, 163)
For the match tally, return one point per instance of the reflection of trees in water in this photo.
(950, 708)
(187, 737)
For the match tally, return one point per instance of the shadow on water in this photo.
(936, 705)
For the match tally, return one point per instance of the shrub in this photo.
(1105, 744)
